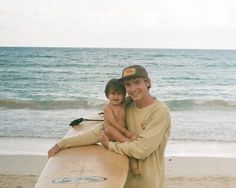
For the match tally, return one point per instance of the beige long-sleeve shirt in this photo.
(153, 124)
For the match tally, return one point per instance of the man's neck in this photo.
(145, 102)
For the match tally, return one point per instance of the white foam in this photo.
(201, 149)
(33, 146)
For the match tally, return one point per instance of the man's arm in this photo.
(88, 138)
(150, 137)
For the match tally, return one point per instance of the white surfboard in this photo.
(84, 167)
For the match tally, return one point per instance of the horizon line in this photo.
(19, 46)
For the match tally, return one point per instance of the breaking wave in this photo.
(175, 105)
(50, 105)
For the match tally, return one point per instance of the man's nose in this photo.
(131, 87)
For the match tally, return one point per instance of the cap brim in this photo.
(129, 77)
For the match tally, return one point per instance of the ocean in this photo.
(43, 89)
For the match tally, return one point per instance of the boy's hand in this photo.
(135, 136)
(132, 136)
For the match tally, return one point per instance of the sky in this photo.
(198, 24)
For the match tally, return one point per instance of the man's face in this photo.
(137, 88)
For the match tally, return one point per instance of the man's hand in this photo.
(131, 136)
(104, 139)
(53, 150)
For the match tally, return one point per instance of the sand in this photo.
(22, 171)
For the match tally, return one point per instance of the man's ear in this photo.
(148, 82)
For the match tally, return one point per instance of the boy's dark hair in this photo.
(116, 86)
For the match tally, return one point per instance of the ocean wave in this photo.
(200, 104)
(174, 105)
(50, 105)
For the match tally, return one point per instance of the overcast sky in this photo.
(119, 23)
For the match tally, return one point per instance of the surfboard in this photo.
(90, 166)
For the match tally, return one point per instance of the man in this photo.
(146, 116)
(150, 118)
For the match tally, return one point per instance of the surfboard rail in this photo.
(91, 166)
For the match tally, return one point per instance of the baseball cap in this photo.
(133, 71)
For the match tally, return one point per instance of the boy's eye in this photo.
(115, 93)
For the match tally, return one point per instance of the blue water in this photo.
(43, 89)
(72, 73)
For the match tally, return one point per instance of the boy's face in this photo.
(115, 97)
(137, 88)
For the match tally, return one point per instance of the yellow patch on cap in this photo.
(129, 72)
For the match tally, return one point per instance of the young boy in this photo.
(114, 117)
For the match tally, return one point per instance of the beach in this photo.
(189, 164)
(22, 171)
(44, 89)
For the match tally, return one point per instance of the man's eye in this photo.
(137, 81)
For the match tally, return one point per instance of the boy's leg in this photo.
(134, 166)
(115, 134)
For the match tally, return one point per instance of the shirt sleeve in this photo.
(89, 138)
(150, 138)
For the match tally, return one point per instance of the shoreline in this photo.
(184, 172)
(180, 148)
